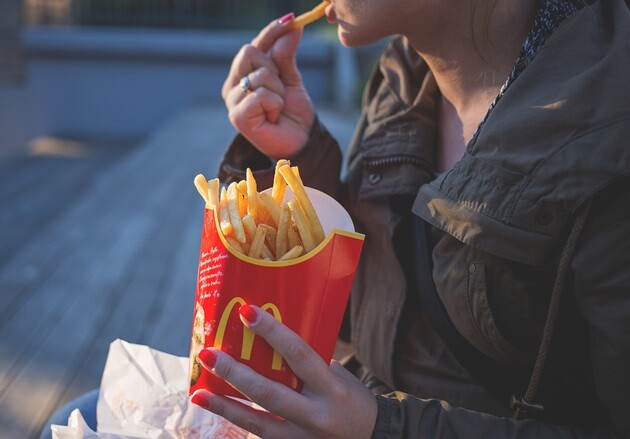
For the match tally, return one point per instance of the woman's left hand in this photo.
(332, 404)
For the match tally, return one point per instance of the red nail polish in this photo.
(286, 18)
(200, 400)
(248, 313)
(208, 358)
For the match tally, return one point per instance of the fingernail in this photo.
(286, 18)
(201, 400)
(248, 313)
(208, 358)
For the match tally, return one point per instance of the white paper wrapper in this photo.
(144, 394)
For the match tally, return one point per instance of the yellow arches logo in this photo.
(248, 334)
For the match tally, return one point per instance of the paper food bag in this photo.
(308, 294)
(144, 394)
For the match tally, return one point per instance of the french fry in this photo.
(271, 207)
(234, 243)
(308, 17)
(202, 186)
(291, 254)
(263, 216)
(241, 186)
(252, 194)
(266, 254)
(302, 224)
(235, 218)
(293, 238)
(300, 194)
(282, 243)
(258, 242)
(270, 237)
(279, 184)
(261, 225)
(213, 192)
(296, 172)
(224, 215)
(249, 224)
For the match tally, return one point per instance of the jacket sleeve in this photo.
(601, 270)
(319, 162)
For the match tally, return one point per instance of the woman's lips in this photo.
(330, 13)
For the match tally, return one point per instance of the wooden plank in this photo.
(147, 303)
(69, 331)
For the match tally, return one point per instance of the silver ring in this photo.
(245, 84)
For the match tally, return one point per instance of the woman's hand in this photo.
(332, 404)
(275, 113)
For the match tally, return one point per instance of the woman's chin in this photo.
(348, 39)
(353, 38)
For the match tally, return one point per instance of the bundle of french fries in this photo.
(262, 225)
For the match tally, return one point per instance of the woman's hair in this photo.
(486, 21)
(488, 15)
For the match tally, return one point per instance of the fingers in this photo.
(255, 55)
(262, 77)
(270, 33)
(274, 48)
(283, 55)
(260, 102)
(260, 423)
(277, 398)
(303, 360)
(267, 78)
(247, 60)
(281, 40)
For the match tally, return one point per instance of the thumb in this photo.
(283, 54)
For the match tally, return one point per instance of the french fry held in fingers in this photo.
(313, 15)
(262, 225)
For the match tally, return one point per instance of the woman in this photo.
(469, 225)
(493, 195)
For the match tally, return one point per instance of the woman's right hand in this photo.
(277, 115)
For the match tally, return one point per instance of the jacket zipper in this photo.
(394, 160)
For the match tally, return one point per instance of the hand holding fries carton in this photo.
(307, 290)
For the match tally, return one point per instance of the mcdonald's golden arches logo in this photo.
(248, 334)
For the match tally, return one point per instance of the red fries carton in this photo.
(308, 294)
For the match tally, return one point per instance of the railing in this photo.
(204, 14)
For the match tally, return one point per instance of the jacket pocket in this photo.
(483, 330)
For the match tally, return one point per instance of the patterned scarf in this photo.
(549, 16)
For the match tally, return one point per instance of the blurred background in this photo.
(108, 109)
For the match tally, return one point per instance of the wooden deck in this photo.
(99, 247)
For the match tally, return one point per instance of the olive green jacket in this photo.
(500, 217)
